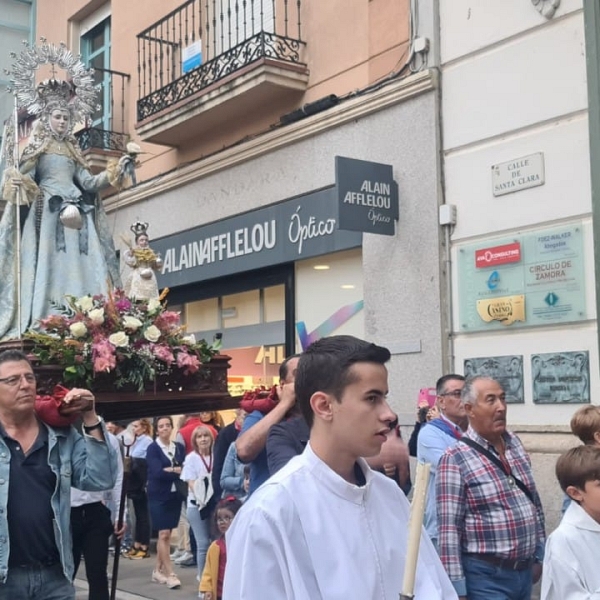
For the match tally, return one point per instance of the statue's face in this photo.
(142, 241)
(59, 121)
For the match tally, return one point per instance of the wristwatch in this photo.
(90, 428)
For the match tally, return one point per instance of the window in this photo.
(95, 52)
(16, 24)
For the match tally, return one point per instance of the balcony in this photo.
(104, 137)
(209, 61)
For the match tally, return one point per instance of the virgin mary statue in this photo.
(66, 247)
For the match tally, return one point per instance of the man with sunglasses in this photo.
(38, 465)
(437, 436)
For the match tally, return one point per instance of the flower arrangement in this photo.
(133, 340)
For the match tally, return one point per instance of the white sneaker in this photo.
(158, 577)
(173, 581)
(185, 557)
(175, 555)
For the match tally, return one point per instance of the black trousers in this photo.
(91, 528)
(142, 517)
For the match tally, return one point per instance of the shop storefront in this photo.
(267, 282)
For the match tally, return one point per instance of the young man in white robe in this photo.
(327, 527)
(572, 550)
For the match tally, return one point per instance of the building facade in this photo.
(517, 169)
(245, 113)
(242, 110)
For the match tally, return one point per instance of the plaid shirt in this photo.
(481, 512)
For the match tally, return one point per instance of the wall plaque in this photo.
(529, 279)
(561, 378)
(508, 370)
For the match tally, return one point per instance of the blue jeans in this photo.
(201, 530)
(489, 582)
(37, 583)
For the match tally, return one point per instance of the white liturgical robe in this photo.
(571, 562)
(307, 534)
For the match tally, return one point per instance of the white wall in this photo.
(513, 84)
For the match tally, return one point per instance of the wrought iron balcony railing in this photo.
(102, 139)
(222, 36)
(107, 129)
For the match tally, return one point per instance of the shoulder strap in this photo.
(496, 461)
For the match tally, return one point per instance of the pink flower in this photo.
(123, 305)
(163, 353)
(54, 322)
(188, 362)
(102, 348)
(104, 364)
(167, 321)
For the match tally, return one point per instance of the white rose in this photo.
(78, 329)
(152, 333)
(131, 323)
(153, 305)
(96, 316)
(85, 303)
(119, 339)
(189, 339)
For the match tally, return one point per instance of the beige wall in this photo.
(352, 43)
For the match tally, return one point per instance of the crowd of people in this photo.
(264, 503)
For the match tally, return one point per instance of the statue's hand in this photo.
(15, 189)
(125, 161)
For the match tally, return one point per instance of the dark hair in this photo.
(325, 367)
(440, 386)
(230, 503)
(14, 356)
(283, 367)
(585, 423)
(155, 423)
(577, 466)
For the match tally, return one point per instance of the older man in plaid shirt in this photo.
(491, 523)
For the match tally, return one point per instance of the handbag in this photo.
(182, 488)
(203, 491)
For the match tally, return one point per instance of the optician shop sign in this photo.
(367, 196)
(292, 230)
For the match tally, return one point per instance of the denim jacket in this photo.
(81, 461)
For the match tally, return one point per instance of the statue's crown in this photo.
(139, 228)
(54, 91)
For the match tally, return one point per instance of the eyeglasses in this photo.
(224, 519)
(454, 394)
(15, 380)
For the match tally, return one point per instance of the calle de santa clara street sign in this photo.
(518, 174)
(367, 196)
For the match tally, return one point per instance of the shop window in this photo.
(329, 297)
(202, 315)
(274, 303)
(240, 310)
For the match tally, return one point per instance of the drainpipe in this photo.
(447, 220)
(591, 11)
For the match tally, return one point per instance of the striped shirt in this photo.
(481, 511)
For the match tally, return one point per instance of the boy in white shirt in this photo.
(325, 526)
(571, 561)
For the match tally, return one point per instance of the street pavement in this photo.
(134, 581)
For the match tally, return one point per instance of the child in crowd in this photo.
(211, 584)
(585, 424)
(571, 560)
